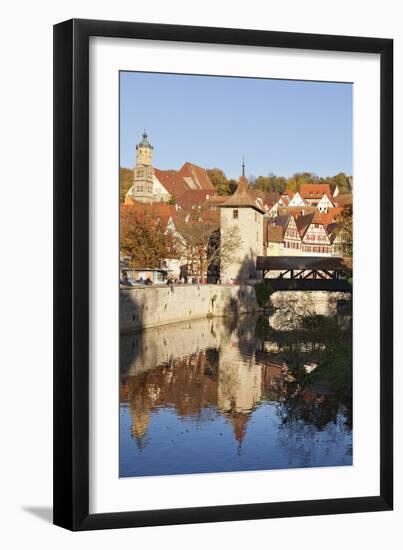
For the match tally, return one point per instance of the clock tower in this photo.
(143, 172)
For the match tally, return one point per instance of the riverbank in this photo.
(147, 307)
(142, 308)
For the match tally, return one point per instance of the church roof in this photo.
(144, 142)
(194, 197)
(172, 181)
(243, 197)
(198, 174)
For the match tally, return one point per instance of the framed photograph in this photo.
(223, 295)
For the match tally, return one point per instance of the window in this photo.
(255, 216)
(235, 214)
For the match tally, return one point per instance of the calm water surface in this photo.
(230, 395)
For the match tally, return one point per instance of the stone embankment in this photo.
(289, 307)
(144, 307)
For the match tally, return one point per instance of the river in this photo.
(225, 394)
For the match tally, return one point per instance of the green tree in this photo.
(263, 292)
(296, 180)
(271, 183)
(342, 181)
(220, 181)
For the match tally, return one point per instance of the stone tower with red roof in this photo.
(244, 211)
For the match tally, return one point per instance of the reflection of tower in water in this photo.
(227, 372)
(140, 413)
(142, 397)
(239, 383)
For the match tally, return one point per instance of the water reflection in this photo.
(219, 395)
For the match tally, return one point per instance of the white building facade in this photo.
(244, 212)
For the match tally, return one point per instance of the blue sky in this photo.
(281, 126)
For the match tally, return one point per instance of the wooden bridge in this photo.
(306, 272)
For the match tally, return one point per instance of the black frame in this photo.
(71, 274)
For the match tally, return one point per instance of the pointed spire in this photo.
(243, 195)
(144, 142)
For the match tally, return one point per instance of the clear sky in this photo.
(281, 126)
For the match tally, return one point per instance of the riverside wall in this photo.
(147, 307)
(290, 306)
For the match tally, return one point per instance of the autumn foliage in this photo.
(144, 238)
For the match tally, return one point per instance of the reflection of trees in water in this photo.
(298, 432)
(317, 397)
(232, 378)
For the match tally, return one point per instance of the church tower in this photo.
(242, 212)
(142, 190)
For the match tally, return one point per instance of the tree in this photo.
(143, 238)
(345, 230)
(220, 181)
(263, 292)
(125, 181)
(232, 185)
(201, 242)
(271, 183)
(296, 180)
(342, 181)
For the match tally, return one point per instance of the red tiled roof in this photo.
(325, 218)
(281, 220)
(198, 174)
(288, 193)
(216, 200)
(274, 233)
(303, 222)
(158, 210)
(268, 199)
(172, 181)
(343, 199)
(211, 217)
(297, 211)
(130, 201)
(194, 197)
(315, 190)
(274, 229)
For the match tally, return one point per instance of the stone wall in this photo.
(290, 306)
(142, 308)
